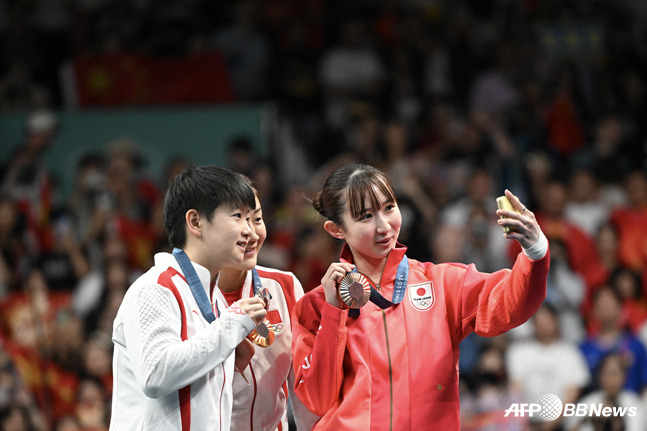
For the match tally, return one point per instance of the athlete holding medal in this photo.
(264, 363)
(392, 364)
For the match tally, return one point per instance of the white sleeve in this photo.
(161, 361)
(298, 288)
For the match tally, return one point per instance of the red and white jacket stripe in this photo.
(261, 404)
(172, 369)
(397, 369)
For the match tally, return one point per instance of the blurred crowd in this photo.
(455, 100)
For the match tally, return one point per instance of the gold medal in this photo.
(355, 290)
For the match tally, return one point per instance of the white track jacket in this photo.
(261, 404)
(173, 370)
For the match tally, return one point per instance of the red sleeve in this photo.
(318, 346)
(492, 304)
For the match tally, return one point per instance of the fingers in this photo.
(516, 203)
(336, 272)
(254, 307)
(331, 280)
(522, 223)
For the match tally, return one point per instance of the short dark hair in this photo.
(349, 185)
(204, 189)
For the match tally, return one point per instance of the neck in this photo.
(372, 268)
(231, 280)
(196, 257)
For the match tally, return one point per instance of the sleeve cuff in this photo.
(538, 250)
(238, 314)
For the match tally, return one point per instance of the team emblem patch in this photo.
(421, 296)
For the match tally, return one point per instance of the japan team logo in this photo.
(421, 296)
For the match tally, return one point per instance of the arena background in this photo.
(102, 101)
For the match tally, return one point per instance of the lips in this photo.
(384, 242)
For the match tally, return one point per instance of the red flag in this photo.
(124, 79)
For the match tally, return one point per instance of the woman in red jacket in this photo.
(393, 364)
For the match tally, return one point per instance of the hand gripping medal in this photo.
(263, 334)
(355, 289)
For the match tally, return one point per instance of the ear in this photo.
(334, 230)
(193, 222)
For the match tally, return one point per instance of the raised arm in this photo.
(161, 361)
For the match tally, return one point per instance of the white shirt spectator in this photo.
(546, 369)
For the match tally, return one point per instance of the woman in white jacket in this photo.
(264, 381)
(173, 360)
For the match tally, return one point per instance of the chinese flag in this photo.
(125, 79)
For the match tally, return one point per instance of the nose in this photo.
(253, 237)
(381, 223)
(248, 230)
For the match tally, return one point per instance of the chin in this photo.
(249, 264)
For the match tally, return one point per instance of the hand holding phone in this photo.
(503, 203)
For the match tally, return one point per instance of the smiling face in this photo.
(256, 239)
(225, 237)
(373, 232)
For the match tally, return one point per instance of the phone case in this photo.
(503, 203)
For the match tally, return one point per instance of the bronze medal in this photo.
(355, 290)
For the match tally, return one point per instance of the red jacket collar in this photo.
(391, 267)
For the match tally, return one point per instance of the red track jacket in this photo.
(397, 369)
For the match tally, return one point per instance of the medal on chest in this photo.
(263, 335)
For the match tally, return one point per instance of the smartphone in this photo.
(503, 203)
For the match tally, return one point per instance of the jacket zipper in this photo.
(388, 352)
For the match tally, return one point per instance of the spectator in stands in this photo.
(612, 337)
(630, 222)
(565, 292)
(612, 375)
(532, 366)
(585, 207)
(29, 183)
(351, 73)
(606, 242)
(13, 253)
(471, 214)
(246, 50)
(629, 285)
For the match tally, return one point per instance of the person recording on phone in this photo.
(376, 344)
(173, 362)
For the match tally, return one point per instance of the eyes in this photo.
(256, 218)
(368, 214)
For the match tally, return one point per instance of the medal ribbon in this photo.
(256, 281)
(195, 284)
(399, 287)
